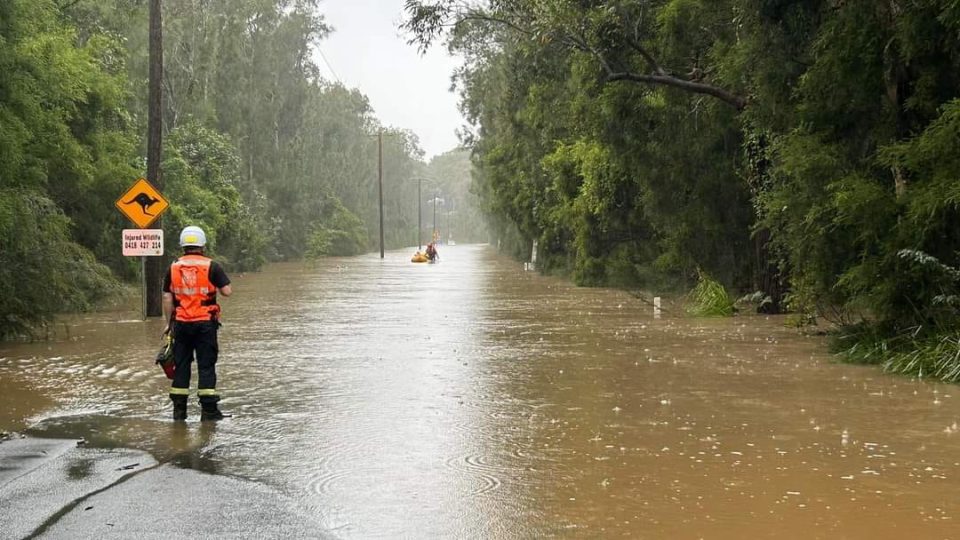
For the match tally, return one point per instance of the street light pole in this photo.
(433, 182)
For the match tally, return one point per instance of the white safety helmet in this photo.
(192, 237)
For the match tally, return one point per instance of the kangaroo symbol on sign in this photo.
(145, 201)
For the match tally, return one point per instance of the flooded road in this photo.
(472, 400)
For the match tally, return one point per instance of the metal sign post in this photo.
(143, 288)
(143, 243)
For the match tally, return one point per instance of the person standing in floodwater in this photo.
(190, 289)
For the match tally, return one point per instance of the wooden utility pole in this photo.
(419, 213)
(435, 236)
(380, 183)
(154, 267)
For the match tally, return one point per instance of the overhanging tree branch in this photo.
(475, 16)
(67, 4)
(734, 100)
(427, 20)
(660, 77)
(654, 65)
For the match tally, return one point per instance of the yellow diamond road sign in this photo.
(142, 203)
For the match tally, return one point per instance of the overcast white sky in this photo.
(367, 51)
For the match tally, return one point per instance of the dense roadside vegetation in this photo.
(274, 161)
(807, 149)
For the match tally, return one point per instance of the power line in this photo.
(327, 62)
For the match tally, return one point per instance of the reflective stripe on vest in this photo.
(190, 284)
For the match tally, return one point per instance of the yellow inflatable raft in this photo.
(419, 258)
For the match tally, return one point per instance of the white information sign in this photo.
(142, 242)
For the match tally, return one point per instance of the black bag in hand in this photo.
(165, 357)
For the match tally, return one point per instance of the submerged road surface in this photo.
(469, 399)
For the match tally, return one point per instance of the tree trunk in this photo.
(766, 274)
(896, 80)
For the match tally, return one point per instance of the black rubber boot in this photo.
(179, 408)
(209, 412)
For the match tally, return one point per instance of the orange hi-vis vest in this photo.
(190, 284)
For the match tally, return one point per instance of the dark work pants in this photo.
(199, 338)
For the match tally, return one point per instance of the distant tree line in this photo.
(808, 149)
(271, 159)
(459, 215)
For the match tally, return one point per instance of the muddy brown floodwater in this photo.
(470, 399)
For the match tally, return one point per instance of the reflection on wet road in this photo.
(471, 399)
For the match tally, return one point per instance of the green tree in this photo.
(58, 117)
